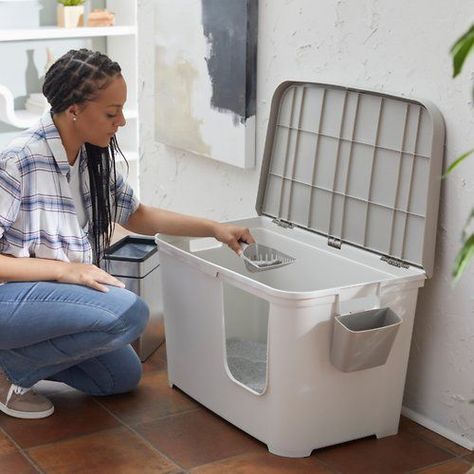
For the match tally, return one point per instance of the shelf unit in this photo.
(119, 42)
(54, 32)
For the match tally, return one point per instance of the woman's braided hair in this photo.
(75, 78)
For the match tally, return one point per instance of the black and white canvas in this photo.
(205, 73)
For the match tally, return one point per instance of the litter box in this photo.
(314, 353)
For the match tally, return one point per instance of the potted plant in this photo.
(460, 51)
(70, 13)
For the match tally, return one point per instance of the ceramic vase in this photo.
(70, 17)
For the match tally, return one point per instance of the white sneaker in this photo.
(22, 402)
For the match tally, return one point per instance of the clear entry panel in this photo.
(246, 329)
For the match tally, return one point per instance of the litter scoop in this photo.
(258, 257)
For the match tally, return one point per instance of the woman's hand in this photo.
(87, 275)
(231, 235)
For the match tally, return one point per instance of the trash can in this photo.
(134, 260)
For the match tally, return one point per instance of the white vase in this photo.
(70, 17)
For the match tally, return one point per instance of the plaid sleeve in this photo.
(10, 192)
(126, 202)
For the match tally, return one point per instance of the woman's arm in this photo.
(149, 220)
(40, 269)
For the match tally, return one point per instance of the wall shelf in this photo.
(22, 118)
(8, 114)
(54, 32)
(120, 44)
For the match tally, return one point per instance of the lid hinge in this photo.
(335, 242)
(282, 223)
(396, 262)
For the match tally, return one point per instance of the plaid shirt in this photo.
(37, 213)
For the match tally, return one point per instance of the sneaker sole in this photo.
(26, 415)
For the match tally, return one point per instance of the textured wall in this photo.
(398, 47)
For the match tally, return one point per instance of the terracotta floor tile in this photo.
(470, 457)
(111, 451)
(412, 427)
(391, 455)
(15, 463)
(263, 463)
(198, 437)
(161, 352)
(456, 466)
(151, 400)
(156, 361)
(75, 414)
(6, 446)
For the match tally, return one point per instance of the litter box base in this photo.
(288, 454)
(304, 402)
(280, 448)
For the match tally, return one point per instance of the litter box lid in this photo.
(360, 167)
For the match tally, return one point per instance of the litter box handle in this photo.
(358, 298)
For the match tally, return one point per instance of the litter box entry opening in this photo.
(246, 330)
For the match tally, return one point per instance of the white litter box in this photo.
(314, 353)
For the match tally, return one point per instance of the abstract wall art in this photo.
(206, 70)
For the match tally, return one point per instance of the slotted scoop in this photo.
(258, 257)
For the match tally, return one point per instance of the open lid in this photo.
(359, 167)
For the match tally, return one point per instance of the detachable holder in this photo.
(363, 340)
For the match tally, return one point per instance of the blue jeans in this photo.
(71, 334)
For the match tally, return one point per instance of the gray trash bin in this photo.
(134, 260)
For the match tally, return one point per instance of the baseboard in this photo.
(441, 430)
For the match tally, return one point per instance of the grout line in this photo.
(326, 464)
(433, 443)
(162, 417)
(420, 469)
(71, 438)
(170, 415)
(143, 439)
(22, 451)
(454, 456)
(219, 461)
(256, 452)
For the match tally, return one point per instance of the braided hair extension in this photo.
(75, 78)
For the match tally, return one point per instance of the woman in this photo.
(63, 318)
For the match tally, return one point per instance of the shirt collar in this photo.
(53, 139)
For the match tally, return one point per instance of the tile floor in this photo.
(160, 430)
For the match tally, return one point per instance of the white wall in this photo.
(398, 47)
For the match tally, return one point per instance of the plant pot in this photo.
(70, 17)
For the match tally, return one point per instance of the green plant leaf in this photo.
(461, 49)
(71, 3)
(457, 162)
(467, 225)
(463, 258)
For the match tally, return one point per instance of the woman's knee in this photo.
(134, 315)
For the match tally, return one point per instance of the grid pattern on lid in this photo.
(352, 165)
